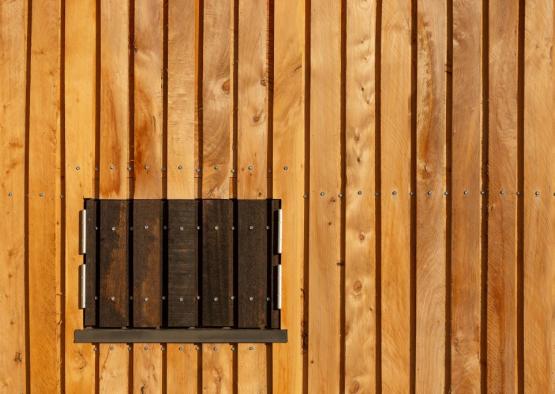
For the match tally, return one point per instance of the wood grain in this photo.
(360, 224)
(13, 79)
(183, 70)
(396, 209)
(252, 164)
(217, 147)
(325, 207)
(288, 181)
(539, 223)
(147, 263)
(113, 371)
(502, 372)
(148, 150)
(431, 184)
(44, 234)
(91, 263)
(466, 247)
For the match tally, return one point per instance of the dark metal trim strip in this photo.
(197, 335)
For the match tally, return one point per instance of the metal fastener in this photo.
(77, 168)
(429, 193)
(285, 168)
(180, 228)
(180, 299)
(465, 192)
(394, 192)
(216, 228)
(41, 194)
(322, 194)
(179, 167)
(251, 298)
(10, 194)
(251, 227)
(537, 193)
(112, 166)
(250, 167)
(445, 193)
(112, 298)
(146, 299)
(113, 229)
(359, 192)
(215, 299)
(146, 226)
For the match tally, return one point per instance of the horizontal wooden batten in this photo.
(200, 335)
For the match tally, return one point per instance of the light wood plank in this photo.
(466, 247)
(431, 208)
(395, 210)
(217, 148)
(44, 209)
(252, 152)
(148, 152)
(539, 226)
(289, 136)
(502, 373)
(182, 360)
(113, 374)
(13, 80)
(325, 207)
(360, 225)
(217, 98)
(217, 368)
(80, 140)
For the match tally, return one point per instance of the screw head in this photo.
(41, 194)
(537, 193)
(394, 192)
(429, 193)
(215, 299)
(285, 168)
(112, 298)
(251, 298)
(251, 227)
(445, 193)
(146, 226)
(146, 299)
(216, 228)
(180, 228)
(180, 299)
(322, 194)
(112, 167)
(10, 194)
(179, 167)
(216, 168)
(113, 228)
(465, 192)
(77, 168)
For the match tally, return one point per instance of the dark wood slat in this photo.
(252, 263)
(113, 264)
(182, 263)
(147, 263)
(199, 335)
(274, 261)
(91, 263)
(217, 263)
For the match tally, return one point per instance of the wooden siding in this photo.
(412, 144)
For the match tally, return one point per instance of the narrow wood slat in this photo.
(80, 145)
(13, 80)
(217, 263)
(360, 221)
(466, 247)
(252, 263)
(217, 147)
(113, 371)
(183, 57)
(44, 237)
(395, 209)
(431, 172)
(539, 207)
(288, 178)
(324, 237)
(252, 180)
(113, 262)
(91, 263)
(147, 263)
(148, 143)
(182, 275)
(502, 369)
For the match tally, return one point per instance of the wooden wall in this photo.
(411, 142)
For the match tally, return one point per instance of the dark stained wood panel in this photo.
(252, 263)
(217, 263)
(90, 262)
(113, 264)
(274, 259)
(147, 263)
(182, 263)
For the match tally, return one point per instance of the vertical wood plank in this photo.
(539, 226)
(289, 184)
(147, 263)
(13, 79)
(44, 209)
(218, 306)
(431, 145)
(113, 371)
(217, 145)
(148, 151)
(183, 57)
(182, 274)
(252, 264)
(396, 209)
(360, 230)
(113, 297)
(325, 206)
(252, 156)
(466, 325)
(80, 142)
(502, 373)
